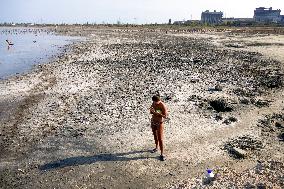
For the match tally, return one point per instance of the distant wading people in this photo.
(159, 113)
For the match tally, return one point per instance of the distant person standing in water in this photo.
(159, 113)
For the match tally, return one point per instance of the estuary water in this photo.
(30, 47)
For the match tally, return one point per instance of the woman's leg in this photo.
(161, 137)
(155, 133)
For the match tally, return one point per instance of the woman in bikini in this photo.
(159, 113)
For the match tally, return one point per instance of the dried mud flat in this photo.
(82, 121)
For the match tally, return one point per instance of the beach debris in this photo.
(209, 177)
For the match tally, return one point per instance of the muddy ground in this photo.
(82, 121)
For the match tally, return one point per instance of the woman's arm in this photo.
(164, 113)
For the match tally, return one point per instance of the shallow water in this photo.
(31, 47)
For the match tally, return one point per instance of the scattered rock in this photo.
(262, 103)
(244, 100)
(194, 80)
(249, 186)
(230, 120)
(238, 153)
(218, 87)
(234, 45)
(194, 98)
(279, 125)
(196, 60)
(218, 117)
(261, 186)
(281, 136)
(168, 98)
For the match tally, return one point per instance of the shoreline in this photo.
(84, 117)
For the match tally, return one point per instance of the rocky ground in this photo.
(82, 121)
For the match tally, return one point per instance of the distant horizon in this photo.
(124, 11)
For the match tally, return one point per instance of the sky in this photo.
(124, 11)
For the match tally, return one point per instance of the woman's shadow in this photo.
(83, 160)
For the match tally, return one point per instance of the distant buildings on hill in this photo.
(261, 15)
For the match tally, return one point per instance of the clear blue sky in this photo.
(127, 11)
